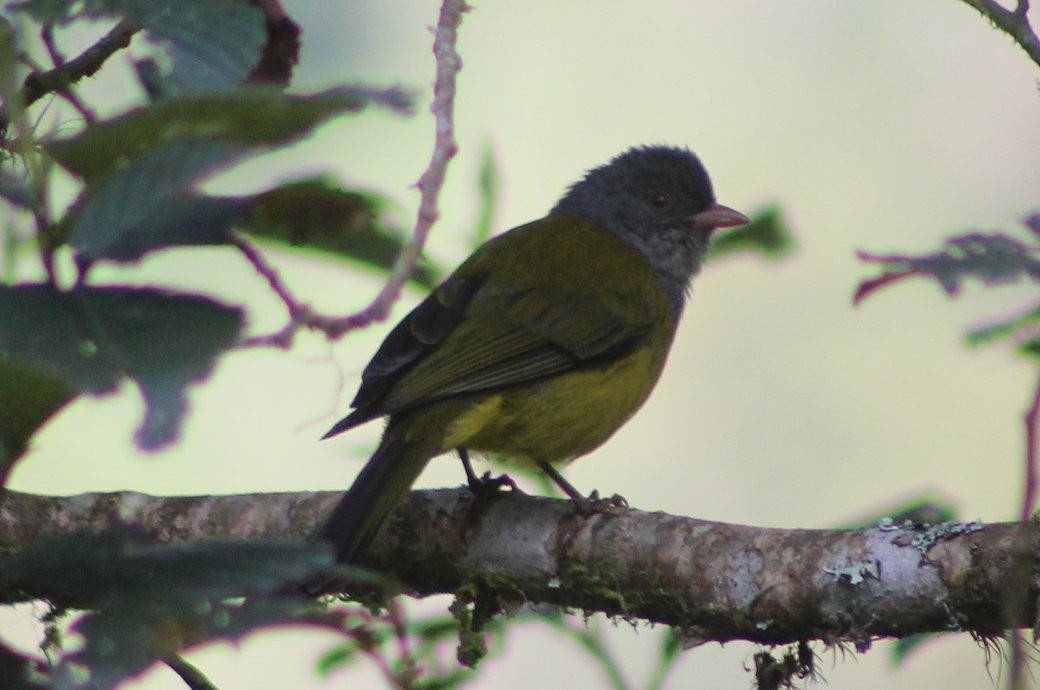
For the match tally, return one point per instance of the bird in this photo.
(541, 344)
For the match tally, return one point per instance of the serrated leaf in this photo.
(991, 258)
(213, 45)
(254, 116)
(92, 337)
(146, 205)
(316, 214)
(767, 234)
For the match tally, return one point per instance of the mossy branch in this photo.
(714, 581)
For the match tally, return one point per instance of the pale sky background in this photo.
(882, 126)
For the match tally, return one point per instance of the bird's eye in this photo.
(660, 200)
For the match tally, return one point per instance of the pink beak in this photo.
(717, 216)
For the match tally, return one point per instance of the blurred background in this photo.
(881, 126)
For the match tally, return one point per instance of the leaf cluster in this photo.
(992, 259)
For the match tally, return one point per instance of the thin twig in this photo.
(37, 85)
(270, 274)
(445, 146)
(1017, 641)
(443, 108)
(1014, 23)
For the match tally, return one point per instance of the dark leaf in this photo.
(90, 338)
(145, 205)
(319, 215)
(282, 50)
(991, 258)
(926, 508)
(104, 570)
(16, 671)
(868, 286)
(767, 234)
(209, 45)
(902, 648)
(1032, 224)
(255, 116)
(45, 11)
(212, 46)
(15, 189)
(28, 398)
(151, 599)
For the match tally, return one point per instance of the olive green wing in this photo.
(507, 337)
(486, 328)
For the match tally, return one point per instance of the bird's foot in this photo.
(488, 485)
(593, 503)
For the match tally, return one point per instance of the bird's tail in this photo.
(375, 494)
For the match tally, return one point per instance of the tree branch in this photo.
(714, 581)
(39, 84)
(444, 149)
(1015, 23)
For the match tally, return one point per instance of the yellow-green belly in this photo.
(554, 420)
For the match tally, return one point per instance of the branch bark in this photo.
(715, 581)
(1013, 22)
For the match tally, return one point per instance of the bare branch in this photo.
(714, 581)
(444, 149)
(1014, 23)
(445, 146)
(39, 84)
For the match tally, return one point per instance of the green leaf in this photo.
(28, 398)
(902, 648)
(254, 116)
(926, 508)
(151, 599)
(89, 570)
(991, 258)
(16, 190)
(1022, 330)
(145, 206)
(767, 234)
(45, 11)
(16, 671)
(213, 45)
(210, 45)
(317, 214)
(90, 338)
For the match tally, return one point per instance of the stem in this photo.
(444, 149)
(1014, 23)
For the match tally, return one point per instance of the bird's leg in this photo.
(585, 505)
(486, 484)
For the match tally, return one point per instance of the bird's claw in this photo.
(488, 485)
(594, 504)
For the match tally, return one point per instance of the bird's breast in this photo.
(562, 417)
